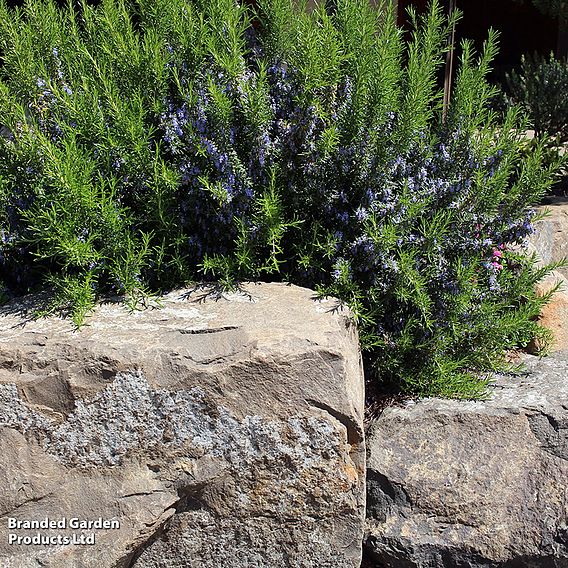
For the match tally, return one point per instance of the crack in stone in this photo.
(354, 432)
(208, 330)
(31, 500)
(551, 434)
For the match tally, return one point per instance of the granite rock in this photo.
(213, 431)
(550, 239)
(554, 315)
(549, 243)
(474, 484)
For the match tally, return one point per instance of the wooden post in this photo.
(449, 63)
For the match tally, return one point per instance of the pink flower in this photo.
(497, 266)
(497, 253)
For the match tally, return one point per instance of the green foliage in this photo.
(156, 142)
(540, 86)
(553, 8)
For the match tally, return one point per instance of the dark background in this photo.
(522, 27)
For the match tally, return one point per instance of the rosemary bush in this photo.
(539, 85)
(156, 142)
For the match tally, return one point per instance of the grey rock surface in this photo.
(210, 432)
(474, 484)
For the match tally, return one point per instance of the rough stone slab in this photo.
(554, 315)
(550, 245)
(474, 484)
(218, 431)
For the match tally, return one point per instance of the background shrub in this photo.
(155, 142)
(540, 86)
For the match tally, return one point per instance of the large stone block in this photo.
(484, 484)
(550, 241)
(210, 433)
(554, 315)
(550, 244)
